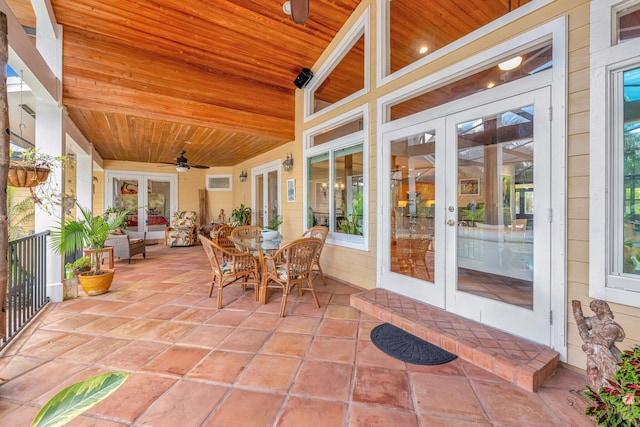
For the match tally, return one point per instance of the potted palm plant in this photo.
(88, 232)
(240, 216)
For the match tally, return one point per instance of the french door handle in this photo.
(451, 223)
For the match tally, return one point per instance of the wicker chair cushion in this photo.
(283, 274)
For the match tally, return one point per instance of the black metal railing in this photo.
(27, 284)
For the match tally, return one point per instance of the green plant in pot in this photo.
(92, 232)
(274, 223)
(80, 265)
(240, 216)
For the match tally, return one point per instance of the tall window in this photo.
(336, 190)
(629, 130)
(614, 267)
(336, 179)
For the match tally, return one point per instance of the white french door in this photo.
(462, 231)
(265, 193)
(414, 174)
(498, 256)
(151, 199)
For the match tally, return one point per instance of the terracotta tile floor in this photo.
(194, 365)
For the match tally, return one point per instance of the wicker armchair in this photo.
(319, 232)
(238, 266)
(291, 265)
(182, 230)
(128, 244)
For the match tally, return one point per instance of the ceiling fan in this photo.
(183, 165)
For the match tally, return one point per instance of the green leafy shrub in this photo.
(619, 404)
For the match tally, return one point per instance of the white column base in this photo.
(54, 292)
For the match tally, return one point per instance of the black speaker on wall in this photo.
(303, 78)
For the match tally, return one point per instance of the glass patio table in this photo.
(261, 246)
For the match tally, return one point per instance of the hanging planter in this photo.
(27, 175)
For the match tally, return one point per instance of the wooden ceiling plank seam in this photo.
(97, 90)
(278, 75)
(246, 126)
(152, 28)
(218, 93)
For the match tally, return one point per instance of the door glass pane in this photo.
(272, 197)
(348, 190)
(158, 212)
(125, 193)
(318, 191)
(259, 207)
(495, 237)
(412, 198)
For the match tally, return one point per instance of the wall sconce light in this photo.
(288, 162)
(243, 175)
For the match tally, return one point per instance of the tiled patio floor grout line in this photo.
(357, 403)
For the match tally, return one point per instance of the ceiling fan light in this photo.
(510, 64)
(286, 7)
(181, 168)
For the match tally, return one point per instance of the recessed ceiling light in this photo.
(510, 64)
(423, 50)
(490, 85)
(286, 7)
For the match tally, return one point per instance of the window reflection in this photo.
(631, 198)
(417, 29)
(345, 79)
(534, 61)
(628, 24)
(336, 190)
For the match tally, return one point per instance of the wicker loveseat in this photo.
(128, 243)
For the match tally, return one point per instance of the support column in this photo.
(50, 140)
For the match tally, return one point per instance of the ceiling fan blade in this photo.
(197, 166)
(299, 11)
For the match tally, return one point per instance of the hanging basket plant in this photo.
(31, 168)
(26, 174)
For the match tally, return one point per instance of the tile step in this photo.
(522, 362)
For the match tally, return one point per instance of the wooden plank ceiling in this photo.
(144, 80)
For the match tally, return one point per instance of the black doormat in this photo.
(402, 345)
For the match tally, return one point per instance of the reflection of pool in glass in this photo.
(496, 250)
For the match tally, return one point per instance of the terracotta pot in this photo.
(96, 285)
(26, 176)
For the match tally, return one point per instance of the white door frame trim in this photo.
(557, 78)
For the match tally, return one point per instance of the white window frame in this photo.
(556, 30)
(608, 59)
(355, 138)
(360, 28)
(383, 49)
(210, 179)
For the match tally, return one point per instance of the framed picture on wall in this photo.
(469, 187)
(291, 190)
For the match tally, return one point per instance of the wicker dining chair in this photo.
(291, 265)
(239, 265)
(246, 232)
(222, 238)
(319, 232)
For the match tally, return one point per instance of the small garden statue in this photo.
(221, 216)
(599, 333)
